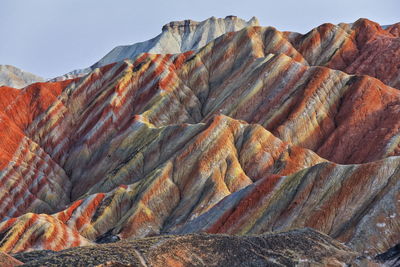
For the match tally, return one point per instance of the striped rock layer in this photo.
(245, 135)
(363, 47)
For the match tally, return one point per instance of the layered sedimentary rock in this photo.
(301, 248)
(30, 180)
(220, 157)
(363, 47)
(390, 257)
(17, 78)
(38, 231)
(321, 197)
(256, 131)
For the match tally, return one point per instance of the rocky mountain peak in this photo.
(189, 25)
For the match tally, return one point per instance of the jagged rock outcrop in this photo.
(17, 78)
(295, 248)
(247, 134)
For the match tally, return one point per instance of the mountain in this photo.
(363, 47)
(257, 131)
(17, 78)
(176, 37)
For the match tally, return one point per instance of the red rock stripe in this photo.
(87, 211)
(66, 214)
(28, 223)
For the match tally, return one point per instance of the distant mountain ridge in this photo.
(176, 37)
(17, 78)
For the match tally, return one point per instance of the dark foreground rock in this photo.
(305, 247)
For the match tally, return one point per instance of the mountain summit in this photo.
(176, 37)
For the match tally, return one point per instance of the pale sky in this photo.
(52, 37)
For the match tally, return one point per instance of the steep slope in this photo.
(363, 47)
(17, 78)
(30, 180)
(313, 107)
(391, 257)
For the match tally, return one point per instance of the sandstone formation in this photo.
(256, 131)
(17, 78)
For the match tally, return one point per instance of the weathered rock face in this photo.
(295, 248)
(242, 136)
(17, 78)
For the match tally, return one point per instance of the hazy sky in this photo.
(52, 37)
